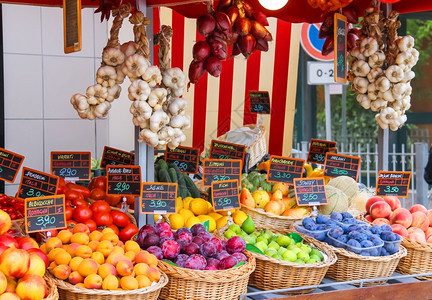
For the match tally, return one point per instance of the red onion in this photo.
(260, 32)
(196, 70)
(223, 23)
(206, 24)
(355, 30)
(213, 65)
(218, 48)
(201, 50)
(232, 13)
(248, 8)
(351, 40)
(243, 26)
(233, 38)
(235, 49)
(325, 32)
(351, 14)
(261, 17)
(328, 46)
(262, 45)
(224, 3)
(247, 44)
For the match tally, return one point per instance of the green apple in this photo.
(262, 246)
(317, 253)
(274, 245)
(270, 252)
(306, 248)
(236, 228)
(229, 233)
(314, 257)
(289, 255)
(282, 250)
(262, 239)
(265, 235)
(284, 240)
(250, 239)
(303, 255)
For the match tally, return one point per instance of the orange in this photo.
(75, 277)
(93, 245)
(146, 257)
(132, 246)
(125, 267)
(88, 266)
(130, 255)
(111, 237)
(61, 272)
(104, 247)
(110, 283)
(107, 229)
(105, 270)
(51, 255)
(141, 269)
(95, 236)
(118, 249)
(153, 274)
(62, 258)
(43, 248)
(84, 251)
(52, 267)
(143, 281)
(75, 262)
(128, 283)
(52, 243)
(80, 238)
(64, 236)
(72, 248)
(93, 281)
(80, 227)
(98, 257)
(114, 258)
(81, 285)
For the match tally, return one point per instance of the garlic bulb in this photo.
(382, 84)
(141, 113)
(394, 73)
(134, 66)
(149, 137)
(368, 46)
(96, 94)
(178, 106)
(113, 56)
(157, 98)
(106, 76)
(139, 90)
(113, 93)
(152, 76)
(360, 85)
(174, 78)
(360, 68)
(158, 119)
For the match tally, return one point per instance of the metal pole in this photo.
(421, 158)
(327, 111)
(344, 128)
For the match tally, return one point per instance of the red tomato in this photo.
(79, 188)
(61, 181)
(128, 232)
(79, 202)
(69, 212)
(115, 228)
(82, 213)
(103, 219)
(130, 200)
(53, 233)
(68, 203)
(97, 194)
(100, 206)
(120, 218)
(61, 189)
(71, 224)
(100, 182)
(73, 195)
(90, 224)
(113, 200)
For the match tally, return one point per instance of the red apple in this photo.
(418, 207)
(32, 287)
(14, 262)
(369, 218)
(401, 216)
(429, 215)
(380, 209)
(420, 220)
(393, 201)
(26, 243)
(371, 201)
(399, 229)
(416, 234)
(39, 253)
(8, 241)
(381, 221)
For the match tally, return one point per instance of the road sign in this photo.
(320, 73)
(311, 43)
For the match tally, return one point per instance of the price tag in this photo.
(10, 163)
(112, 156)
(340, 51)
(45, 213)
(158, 198)
(225, 195)
(184, 157)
(341, 165)
(36, 184)
(393, 183)
(318, 150)
(221, 170)
(223, 150)
(123, 180)
(259, 102)
(71, 165)
(285, 169)
(310, 192)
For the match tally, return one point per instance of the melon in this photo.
(337, 201)
(345, 184)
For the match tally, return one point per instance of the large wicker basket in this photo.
(269, 220)
(271, 273)
(206, 285)
(418, 259)
(68, 291)
(52, 289)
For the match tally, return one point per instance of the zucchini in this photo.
(156, 175)
(182, 191)
(164, 176)
(195, 193)
(180, 179)
(162, 164)
(173, 175)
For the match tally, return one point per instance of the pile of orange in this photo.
(98, 260)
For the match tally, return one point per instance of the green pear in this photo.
(262, 246)
(317, 253)
(282, 250)
(270, 251)
(289, 255)
(229, 234)
(262, 239)
(284, 240)
(303, 255)
(250, 239)
(306, 248)
(314, 257)
(248, 225)
(274, 245)
(277, 256)
(236, 228)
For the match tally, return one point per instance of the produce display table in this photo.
(398, 286)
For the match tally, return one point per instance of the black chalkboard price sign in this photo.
(112, 156)
(221, 170)
(318, 150)
(310, 192)
(123, 180)
(340, 51)
(285, 169)
(36, 184)
(185, 158)
(45, 213)
(224, 150)
(393, 183)
(71, 165)
(158, 197)
(259, 102)
(225, 195)
(341, 165)
(10, 163)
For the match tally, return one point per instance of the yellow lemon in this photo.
(225, 212)
(215, 215)
(186, 202)
(221, 222)
(179, 203)
(177, 221)
(199, 206)
(212, 222)
(192, 221)
(186, 213)
(239, 217)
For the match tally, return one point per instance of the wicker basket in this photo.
(269, 220)
(418, 259)
(206, 285)
(19, 223)
(68, 291)
(52, 289)
(256, 150)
